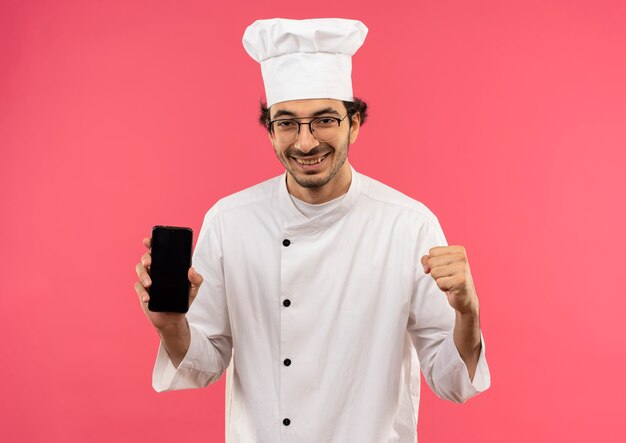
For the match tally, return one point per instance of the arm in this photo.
(444, 326)
(195, 348)
(449, 267)
(467, 340)
(172, 327)
(176, 339)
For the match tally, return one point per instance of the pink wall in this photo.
(508, 119)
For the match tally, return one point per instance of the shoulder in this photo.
(382, 195)
(250, 196)
(391, 206)
(259, 195)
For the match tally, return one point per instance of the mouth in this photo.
(310, 162)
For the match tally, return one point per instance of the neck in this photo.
(335, 188)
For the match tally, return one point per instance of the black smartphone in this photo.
(171, 259)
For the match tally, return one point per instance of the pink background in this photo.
(506, 118)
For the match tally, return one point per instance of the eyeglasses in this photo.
(324, 129)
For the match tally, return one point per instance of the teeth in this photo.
(310, 162)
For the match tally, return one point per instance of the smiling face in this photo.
(317, 171)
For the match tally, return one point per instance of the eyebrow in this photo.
(325, 111)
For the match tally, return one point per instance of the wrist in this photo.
(469, 312)
(176, 337)
(173, 329)
(467, 332)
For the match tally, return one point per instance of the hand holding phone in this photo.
(162, 320)
(172, 326)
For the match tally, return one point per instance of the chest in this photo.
(364, 261)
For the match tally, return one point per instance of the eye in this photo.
(285, 124)
(325, 122)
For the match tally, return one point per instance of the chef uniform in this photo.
(322, 317)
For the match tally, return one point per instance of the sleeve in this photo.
(431, 326)
(210, 349)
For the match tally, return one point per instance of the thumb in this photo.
(425, 263)
(194, 278)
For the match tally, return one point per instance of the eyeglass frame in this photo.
(295, 120)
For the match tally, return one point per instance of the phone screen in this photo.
(171, 260)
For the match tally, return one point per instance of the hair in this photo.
(357, 106)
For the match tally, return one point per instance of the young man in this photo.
(322, 292)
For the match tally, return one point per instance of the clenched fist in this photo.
(449, 267)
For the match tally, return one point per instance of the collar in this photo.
(295, 223)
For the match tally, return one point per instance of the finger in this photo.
(445, 271)
(445, 250)
(143, 275)
(147, 242)
(144, 297)
(146, 260)
(447, 283)
(194, 278)
(445, 260)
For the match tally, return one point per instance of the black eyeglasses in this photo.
(324, 129)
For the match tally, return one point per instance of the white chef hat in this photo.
(305, 58)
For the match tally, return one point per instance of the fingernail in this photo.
(146, 282)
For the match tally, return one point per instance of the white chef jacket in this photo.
(322, 324)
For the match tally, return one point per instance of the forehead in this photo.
(305, 108)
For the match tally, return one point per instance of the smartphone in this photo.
(171, 259)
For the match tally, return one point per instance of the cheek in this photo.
(280, 153)
(276, 148)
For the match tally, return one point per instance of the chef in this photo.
(321, 293)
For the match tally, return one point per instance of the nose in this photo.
(305, 140)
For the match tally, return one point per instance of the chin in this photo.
(311, 181)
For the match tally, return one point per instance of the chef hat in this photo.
(305, 58)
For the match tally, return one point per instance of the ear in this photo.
(354, 129)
